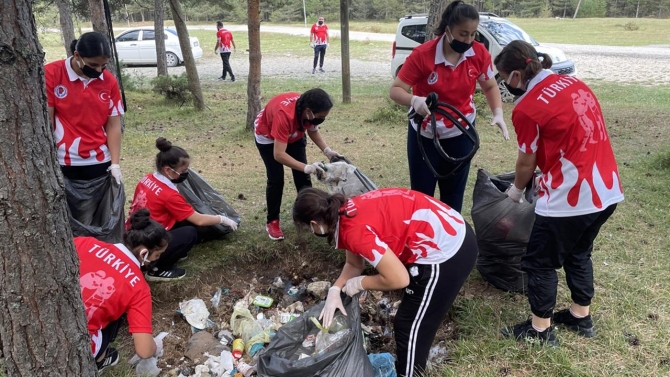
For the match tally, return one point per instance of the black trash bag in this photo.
(96, 208)
(206, 200)
(503, 229)
(281, 358)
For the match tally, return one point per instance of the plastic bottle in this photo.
(238, 348)
(246, 369)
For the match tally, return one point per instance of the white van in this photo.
(494, 32)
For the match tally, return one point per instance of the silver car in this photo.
(138, 47)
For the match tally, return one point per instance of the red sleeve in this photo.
(178, 208)
(312, 30)
(366, 243)
(485, 65)
(527, 132)
(281, 125)
(49, 77)
(115, 100)
(139, 312)
(411, 71)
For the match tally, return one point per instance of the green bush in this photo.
(132, 82)
(173, 87)
(631, 26)
(392, 113)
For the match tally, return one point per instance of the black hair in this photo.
(456, 13)
(145, 232)
(318, 205)
(169, 155)
(91, 45)
(521, 56)
(219, 24)
(316, 100)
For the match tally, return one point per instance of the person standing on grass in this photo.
(450, 66)
(158, 192)
(110, 276)
(224, 40)
(414, 242)
(560, 129)
(279, 130)
(319, 41)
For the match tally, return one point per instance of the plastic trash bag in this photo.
(148, 368)
(341, 177)
(96, 208)
(205, 199)
(196, 313)
(383, 363)
(503, 229)
(244, 325)
(289, 354)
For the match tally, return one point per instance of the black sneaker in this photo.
(524, 331)
(321, 70)
(222, 78)
(582, 326)
(232, 79)
(172, 274)
(314, 71)
(111, 358)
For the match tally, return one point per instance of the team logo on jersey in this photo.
(432, 79)
(350, 209)
(472, 72)
(60, 91)
(104, 97)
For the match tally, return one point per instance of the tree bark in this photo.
(254, 79)
(42, 322)
(577, 9)
(97, 13)
(159, 18)
(436, 9)
(189, 61)
(66, 25)
(346, 67)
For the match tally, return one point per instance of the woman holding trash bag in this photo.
(450, 66)
(85, 109)
(414, 242)
(158, 192)
(560, 129)
(112, 285)
(279, 130)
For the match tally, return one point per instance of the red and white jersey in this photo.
(162, 198)
(320, 34)
(416, 227)
(277, 121)
(223, 39)
(81, 108)
(560, 120)
(426, 70)
(111, 284)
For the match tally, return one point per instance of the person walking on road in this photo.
(224, 39)
(318, 40)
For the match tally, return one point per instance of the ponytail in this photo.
(145, 232)
(521, 56)
(317, 205)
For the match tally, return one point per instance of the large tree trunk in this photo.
(42, 323)
(66, 25)
(346, 64)
(254, 79)
(97, 12)
(434, 16)
(159, 17)
(189, 61)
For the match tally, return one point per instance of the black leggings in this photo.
(319, 55)
(275, 174)
(109, 334)
(182, 240)
(225, 58)
(426, 301)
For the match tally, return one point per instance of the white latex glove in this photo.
(115, 169)
(353, 286)
(313, 168)
(159, 344)
(419, 105)
(226, 221)
(515, 194)
(500, 122)
(330, 153)
(311, 44)
(333, 302)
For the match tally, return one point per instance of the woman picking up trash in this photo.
(560, 129)
(414, 242)
(112, 285)
(158, 192)
(280, 130)
(450, 66)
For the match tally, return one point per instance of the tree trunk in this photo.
(577, 9)
(97, 13)
(254, 79)
(346, 67)
(161, 58)
(434, 16)
(42, 322)
(66, 25)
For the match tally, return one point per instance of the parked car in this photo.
(493, 31)
(138, 46)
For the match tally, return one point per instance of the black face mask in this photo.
(315, 121)
(90, 72)
(458, 46)
(320, 23)
(182, 178)
(514, 91)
